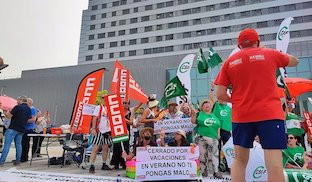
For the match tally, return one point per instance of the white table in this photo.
(51, 138)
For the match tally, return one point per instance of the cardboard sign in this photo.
(123, 84)
(308, 120)
(167, 153)
(88, 109)
(173, 125)
(166, 170)
(116, 118)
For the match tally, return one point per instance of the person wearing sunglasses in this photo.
(293, 155)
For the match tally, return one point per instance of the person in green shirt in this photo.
(223, 112)
(207, 135)
(293, 155)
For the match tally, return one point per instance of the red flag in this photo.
(308, 120)
(116, 117)
(123, 84)
(135, 91)
(86, 93)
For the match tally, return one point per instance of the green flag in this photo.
(174, 88)
(213, 58)
(281, 84)
(202, 65)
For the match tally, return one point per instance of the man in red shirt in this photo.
(257, 109)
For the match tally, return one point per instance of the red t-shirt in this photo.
(252, 73)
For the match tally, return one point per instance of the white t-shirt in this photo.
(104, 123)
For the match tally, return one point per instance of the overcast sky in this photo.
(39, 34)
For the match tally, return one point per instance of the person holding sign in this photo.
(179, 139)
(207, 135)
(145, 140)
(256, 103)
(293, 155)
(101, 133)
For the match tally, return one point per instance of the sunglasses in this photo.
(125, 102)
(291, 138)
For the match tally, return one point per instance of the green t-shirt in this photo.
(295, 153)
(208, 125)
(223, 112)
(293, 124)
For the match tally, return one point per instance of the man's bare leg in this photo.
(274, 165)
(238, 169)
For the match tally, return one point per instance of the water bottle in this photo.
(118, 178)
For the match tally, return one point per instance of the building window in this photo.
(111, 34)
(210, 7)
(104, 6)
(135, 1)
(182, 23)
(160, 5)
(122, 54)
(160, 16)
(121, 32)
(92, 17)
(256, 12)
(262, 24)
(111, 55)
(134, 20)
(197, 45)
(101, 46)
(227, 42)
(95, 7)
(169, 37)
(187, 46)
(214, 18)
(158, 50)
(224, 5)
(132, 53)
(114, 13)
(101, 35)
(103, 15)
(113, 23)
(91, 37)
(102, 25)
(116, 3)
(123, 2)
(274, 10)
(158, 27)
(211, 43)
(122, 22)
(172, 25)
(89, 58)
(229, 16)
(148, 29)
(169, 14)
(182, 2)
(92, 27)
(226, 29)
(186, 11)
(211, 31)
(135, 10)
(90, 47)
(196, 10)
(169, 3)
(158, 38)
(113, 44)
(148, 7)
(196, 21)
(133, 30)
(132, 42)
(100, 56)
(125, 11)
(144, 40)
(187, 34)
(200, 32)
(290, 7)
(122, 43)
(144, 18)
(245, 14)
(169, 49)
(147, 51)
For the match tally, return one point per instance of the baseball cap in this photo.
(248, 37)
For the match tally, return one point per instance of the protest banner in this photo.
(88, 109)
(166, 169)
(173, 125)
(123, 84)
(116, 118)
(86, 94)
(167, 153)
(308, 120)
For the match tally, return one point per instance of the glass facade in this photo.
(201, 82)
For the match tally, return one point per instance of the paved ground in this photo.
(40, 165)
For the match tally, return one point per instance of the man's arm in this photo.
(222, 93)
(293, 61)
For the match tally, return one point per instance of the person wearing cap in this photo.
(172, 112)
(256, 106)
(149, 116)
(207, 135)
(145, 140)
(179, 139)
(19, 115)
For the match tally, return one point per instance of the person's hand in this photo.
(162, 134)
(94, 133)
(124, 155)
(212, 84)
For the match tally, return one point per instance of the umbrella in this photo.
(7, 102)
(297, 86)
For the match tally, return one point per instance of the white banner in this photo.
(88, 109)
(184, 74)
(173, 125)
(166, 170)
(283, 35)
(167, 153)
